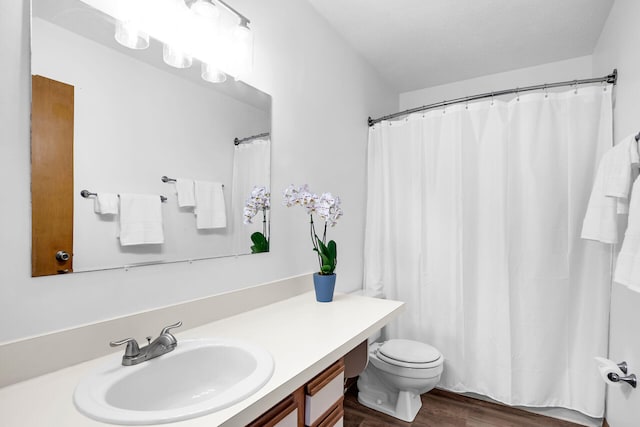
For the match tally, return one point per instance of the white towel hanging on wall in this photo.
(628, 264)
(186, 192)
(610, 193)
(105, 203)
(210, 208)
(140, 219)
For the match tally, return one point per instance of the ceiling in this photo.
(415, 44)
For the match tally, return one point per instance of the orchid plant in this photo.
(327, 207)
(258, 201)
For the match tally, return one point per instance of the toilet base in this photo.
(405, 408)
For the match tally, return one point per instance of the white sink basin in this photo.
(197, 378)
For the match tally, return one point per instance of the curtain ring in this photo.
(492, 99)
(518, 94)
(604, 86)
(444, 107)
(575, 87)
(546, 94)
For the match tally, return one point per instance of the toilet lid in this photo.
(409, 353)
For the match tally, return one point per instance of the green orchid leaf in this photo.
(332, 249)
(260, 243)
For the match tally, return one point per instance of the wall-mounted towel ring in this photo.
(86, 194)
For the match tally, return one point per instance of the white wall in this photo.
(322, 94)
(570, 69)
(618, 47)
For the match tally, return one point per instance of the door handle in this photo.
(62, 256)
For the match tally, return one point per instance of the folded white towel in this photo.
(106, 204)
(210, 208)
(628, 264)
(186, 193)
(140, 219)
(610, 193)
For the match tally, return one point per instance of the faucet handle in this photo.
(132, 349)
(166, 329)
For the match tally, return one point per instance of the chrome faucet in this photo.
(133, 354)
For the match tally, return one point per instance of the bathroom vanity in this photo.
(307, 340)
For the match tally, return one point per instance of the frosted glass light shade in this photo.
(130, 36)
(205, 9)
(175, 57)
(242, 54)
(212, 74)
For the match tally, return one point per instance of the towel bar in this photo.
(86, 194)
(165, 178)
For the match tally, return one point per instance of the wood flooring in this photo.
(445, 409)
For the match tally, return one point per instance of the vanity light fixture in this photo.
(128, 35)
(205, 9)
(210, 31)
(212, 74)
(242, 50)
(175, 57)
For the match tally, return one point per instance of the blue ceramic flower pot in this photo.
(324, 286)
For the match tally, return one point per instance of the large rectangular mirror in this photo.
(134, 119)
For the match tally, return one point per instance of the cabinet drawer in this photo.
(284, 414)
(335, 417)
(324, 394)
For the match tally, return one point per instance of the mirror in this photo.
(135, 119)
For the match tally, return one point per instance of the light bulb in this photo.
(212, 74)
(175, 57)
(205, 9)
(242, 51)
(127, 34)
(242, 35)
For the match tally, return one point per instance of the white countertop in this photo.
(303, 336)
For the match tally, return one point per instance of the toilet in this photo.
(397, 373)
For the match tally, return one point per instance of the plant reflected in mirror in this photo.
(258, 201)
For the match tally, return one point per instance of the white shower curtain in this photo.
(251, 168)
(473, 219)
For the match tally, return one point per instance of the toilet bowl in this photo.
(398, 372)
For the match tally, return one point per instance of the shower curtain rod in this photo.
(237, 141)
(611, 78)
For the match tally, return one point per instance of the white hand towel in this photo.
(610, 193)
(628, 264)
(140, 219)
(210, 208)
(621, 171)
(106, 204)
(186, 193)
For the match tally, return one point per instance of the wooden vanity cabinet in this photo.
(324, 395)
(288, 413)
(316, 404)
